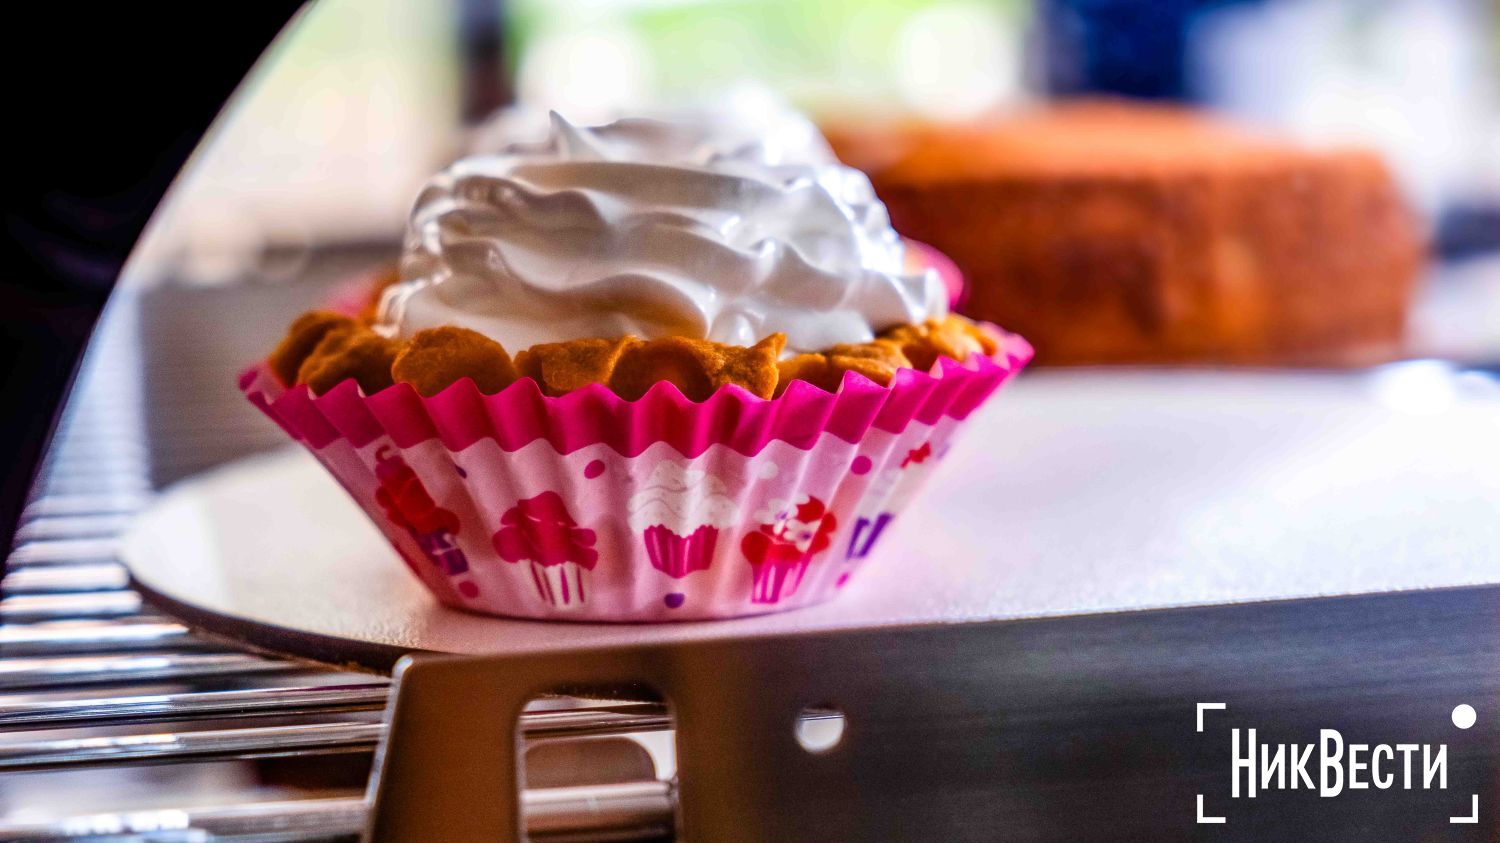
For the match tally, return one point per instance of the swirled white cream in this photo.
(655, 228)
(747, 119)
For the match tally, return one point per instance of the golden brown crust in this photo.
(301, 338)
(881, 351)
(697, 367)
(877, 360)
(753, 368)
(561, 367)
(351, 351)
(437, 357)
(676, 360)
(952, 336)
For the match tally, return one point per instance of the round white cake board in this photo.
(1070, 493)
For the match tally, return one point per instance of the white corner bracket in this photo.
(1202, 820)
(1471, 819)
(1209, 707)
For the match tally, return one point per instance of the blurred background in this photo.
(329, 140)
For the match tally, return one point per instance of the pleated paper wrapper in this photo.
(588, 507)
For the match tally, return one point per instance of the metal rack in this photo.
(110, 711)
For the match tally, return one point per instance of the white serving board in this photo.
(1071, 493)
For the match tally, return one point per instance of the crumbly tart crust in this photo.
(323, 348)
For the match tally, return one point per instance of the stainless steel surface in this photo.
(63, 552)
(104, 576)
(71, 526)
(310, 819)
(54, 672)
(97, 604)
(96, 636)
(84, 505)
(1049, 729)
(623, 811)
(218, 744)
(268, 741)
(629, 811)
(159, 708)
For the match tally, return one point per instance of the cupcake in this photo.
(679, 513)
(784, 543)
(648, 370)
(540, 533)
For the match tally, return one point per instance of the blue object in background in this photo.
(1130, 48)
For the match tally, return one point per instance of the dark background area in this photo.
(107, 101)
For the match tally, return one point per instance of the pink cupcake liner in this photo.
(515, 504)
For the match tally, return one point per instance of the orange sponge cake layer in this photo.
(1109, 233)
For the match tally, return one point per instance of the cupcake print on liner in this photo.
(539, 531)
(887, 493)
(679, 513)
(784, 544)
(408, 505)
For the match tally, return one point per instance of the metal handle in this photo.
(1062, 728)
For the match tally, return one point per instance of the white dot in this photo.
(1464, 716)
(820, 727)
(768, 470)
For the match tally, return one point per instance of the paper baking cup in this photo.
(590, 507)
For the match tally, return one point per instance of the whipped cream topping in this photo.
(657, 228)
(739, 119)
